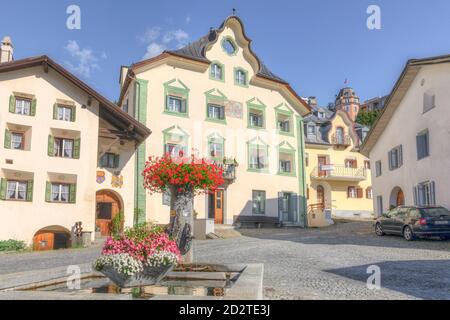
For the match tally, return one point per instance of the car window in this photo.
(435, 212)
(393, 213)
(402, 212)
(414, 214)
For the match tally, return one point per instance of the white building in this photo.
(408, 147)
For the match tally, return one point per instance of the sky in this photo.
(318, 46)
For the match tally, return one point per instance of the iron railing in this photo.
(229, 171)
(341, 140)
(339, 171)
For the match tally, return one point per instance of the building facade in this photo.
(67, 154)
(374, 104)
(337, 174)
(348, 101)
(216, 99)
(407, 148)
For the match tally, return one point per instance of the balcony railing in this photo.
(229, 172)
(339, 172)
(339, 140)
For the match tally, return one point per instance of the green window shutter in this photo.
(33, 107)
(12, 104)
(55, 111)
(116, 161)
(72, 193)
(76, 148)
(30, 191)
(48, 192)
(74, 114)
(2, 189)
(7, 139)
(51, 146)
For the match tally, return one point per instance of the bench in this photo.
(256, 221)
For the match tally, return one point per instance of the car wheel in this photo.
(379, 230)
(408, 234)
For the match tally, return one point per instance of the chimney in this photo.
(6, 50)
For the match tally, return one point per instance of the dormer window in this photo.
(229, 46)
(311, 130)
(321, 115)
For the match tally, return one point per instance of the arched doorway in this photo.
(397, 198)
(51, 238)
(108, 206)
(321, 195)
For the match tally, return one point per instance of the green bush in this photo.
(117, 224)
(12, 245)
(141, 231)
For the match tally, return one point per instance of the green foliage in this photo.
(12, 245)
(117, 224)
(368, 118)
(142, 231)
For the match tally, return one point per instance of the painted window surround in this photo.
(246, 85)
(284, 110)
(233, 43)
(217, 139)
(257, 143)
(183, 93)
(286, 148)
(222, 67)
(183, 135)
(258, 105)
(215, 96)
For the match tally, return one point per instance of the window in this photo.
(176, 104)
(174, 150)
(429, 102)
(369, 193)
(16, 190)
(23, 106)
(216, 112)
(311, 130)
(422, 140)
(63, 148)
(380, 205)
(216, 150)
(351, 163)
(60, 192)
(256, 119)
(109, 160)
(378, 169)
(284, 125)
(259, 202)
(285, 166)
(367, 164)
(395, 157)
(228, 46)
(65, 113)
(339, 135)
(352, 193)
(425, 194)
(17, 141)
(321, 115)
(307, 160)
(216, 71)
(240, 77)
(258, 159)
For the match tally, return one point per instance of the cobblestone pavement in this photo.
(326, 263)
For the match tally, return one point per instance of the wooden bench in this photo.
(256, 221)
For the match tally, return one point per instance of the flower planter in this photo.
(148, 277)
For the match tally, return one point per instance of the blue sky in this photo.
(314, 44)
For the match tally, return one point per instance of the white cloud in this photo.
(188, 19)
(157, 40)
(84, 60)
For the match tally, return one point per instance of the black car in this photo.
(413, 222)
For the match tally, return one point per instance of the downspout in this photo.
(302, 171)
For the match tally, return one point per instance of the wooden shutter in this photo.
(73, 118)
(30, 190)
(183, 106)
(2, 189)
(222, 113)
(116, 161)
(51, 146)
(390, 160)
(7, 139)
(48, 192)
(33, 107)
(55, 111)
(76, 148)
(12, 104)
(400, 156)
(349, 189)
(72, 193)
(359, 193)
(415, 196)
(433, 193)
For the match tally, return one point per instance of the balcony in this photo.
(229, 172)
(341, 141)
(332, 172)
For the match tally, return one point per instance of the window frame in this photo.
(64, 108)
(261, 210)
(237, 80)
(60, 186)
(213, 73)
(258, 146)
(22, 135)
(426, 134)
(16, 190)
(378, 168)
(61, 146)
(30, 101)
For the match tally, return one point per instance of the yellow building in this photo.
(216, 98)
(337, 174)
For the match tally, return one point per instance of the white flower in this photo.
(123, 263)
(162, 258)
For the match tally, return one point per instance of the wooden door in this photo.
(218, 206)
(400, 198)
(43, 241)
(322, 160)
(321, 196)
(107, 208)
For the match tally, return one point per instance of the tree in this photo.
(368, 118)
(184, 178)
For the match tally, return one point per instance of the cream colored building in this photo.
(408, 144)
(215, 98)
(337, 174)
(66, 156)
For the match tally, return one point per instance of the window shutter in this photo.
(76, 148)
(420, 195)
(400, 156)
(55, 111)
(48, 192)
(432, 193)
(348, 192)
(280, 206)
(33, 107)
(30, 190)
(419, 147)
(183, 106)
(51, 146)
(72, 193)
(116, 160)
(74, 114)
(391, 165)
(415, 195)
(222, 113)
(307, 193)
(167, 102)
(7, 139)
(3, 189)
(12, 104)
(359, 193)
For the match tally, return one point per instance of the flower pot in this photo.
(148, 277)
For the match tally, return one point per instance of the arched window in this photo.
(339, 135)
(216, 71)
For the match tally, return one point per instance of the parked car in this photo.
(414, 222)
